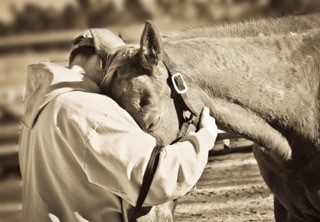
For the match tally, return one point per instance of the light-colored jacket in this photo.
(82, 155)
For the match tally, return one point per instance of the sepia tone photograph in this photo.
(160, 111)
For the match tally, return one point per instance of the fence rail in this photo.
(48, 39)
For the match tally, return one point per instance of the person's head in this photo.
(90, 52)
(86, 61)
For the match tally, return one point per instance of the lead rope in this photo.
(147, 180)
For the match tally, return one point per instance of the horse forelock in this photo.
(115, 60)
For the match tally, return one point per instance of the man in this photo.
(83, 156)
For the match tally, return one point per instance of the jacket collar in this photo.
(46, 81)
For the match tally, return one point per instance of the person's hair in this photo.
(84, 51)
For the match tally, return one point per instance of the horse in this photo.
(264, 87)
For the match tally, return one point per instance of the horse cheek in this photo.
(171, 122)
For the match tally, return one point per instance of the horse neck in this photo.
(266, 88)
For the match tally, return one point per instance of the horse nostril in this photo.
(149, 128)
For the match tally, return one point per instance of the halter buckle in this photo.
(178, 83)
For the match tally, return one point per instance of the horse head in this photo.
(137, 79)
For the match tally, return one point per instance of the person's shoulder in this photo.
(89, 110)
(83, 98)
(84, 103)
(89, 107)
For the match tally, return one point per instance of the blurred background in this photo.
(38, 30)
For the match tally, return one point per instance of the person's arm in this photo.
(180, 167)
(117, 153)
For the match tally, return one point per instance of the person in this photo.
(82, 156)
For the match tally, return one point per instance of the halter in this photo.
(190, 115)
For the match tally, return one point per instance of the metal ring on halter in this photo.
(178, 78)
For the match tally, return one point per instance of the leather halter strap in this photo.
(190, 115)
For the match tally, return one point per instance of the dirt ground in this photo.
(231, 189)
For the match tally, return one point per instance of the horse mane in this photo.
(250, 27)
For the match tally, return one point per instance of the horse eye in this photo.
(144, 101)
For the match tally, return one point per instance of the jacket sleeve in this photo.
(180, 167)
(118, 152)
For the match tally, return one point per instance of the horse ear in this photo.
(150, 46)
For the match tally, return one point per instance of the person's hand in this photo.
(208, 122)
